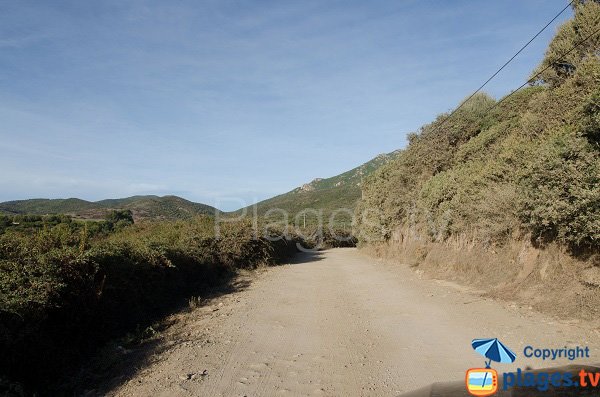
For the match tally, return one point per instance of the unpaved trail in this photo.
(338, 323)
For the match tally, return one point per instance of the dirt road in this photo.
(339, 323)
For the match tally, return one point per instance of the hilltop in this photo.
(143, 207)
(324, 194)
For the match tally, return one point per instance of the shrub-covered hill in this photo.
(529, 165)
(142, 207)
(328, 195)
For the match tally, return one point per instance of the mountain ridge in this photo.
(339, 192)
(336, 195)
(142, 206)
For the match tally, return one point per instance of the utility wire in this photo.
(546, 68)
(503, 66)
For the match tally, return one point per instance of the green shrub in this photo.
(62, 294)
(561, 192)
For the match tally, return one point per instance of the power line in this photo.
(546, 68)
(503, 66)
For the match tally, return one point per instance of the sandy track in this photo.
(340, 323)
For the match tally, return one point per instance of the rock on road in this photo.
(339, 323)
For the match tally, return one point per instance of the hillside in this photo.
(528, 165)
(504, 196)
(329, 194)
(143, 207)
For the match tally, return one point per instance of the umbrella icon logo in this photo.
(484, 381)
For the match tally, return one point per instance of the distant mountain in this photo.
(143, 207)
(46, 206)
(326, 195)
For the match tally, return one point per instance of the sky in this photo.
(231, 102)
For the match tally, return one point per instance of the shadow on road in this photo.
(121, 359)
(307, 257)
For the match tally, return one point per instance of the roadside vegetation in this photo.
(528, 166)
(66, 286)
(504, 196)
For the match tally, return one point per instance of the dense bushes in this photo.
(317, 238)
(529, 165)
(115, 220)
(62, 294)
(27, 222)
(561, 192)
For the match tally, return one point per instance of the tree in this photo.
(118, 219)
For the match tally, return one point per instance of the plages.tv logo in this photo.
(484, 381)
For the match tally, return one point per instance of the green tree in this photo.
(118, 219)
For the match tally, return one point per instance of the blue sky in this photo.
(222, 101)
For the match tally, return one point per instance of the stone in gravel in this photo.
(187, 376)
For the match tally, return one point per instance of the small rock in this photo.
(187, 376)
(195, 375)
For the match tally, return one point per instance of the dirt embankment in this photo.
(549, 280)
